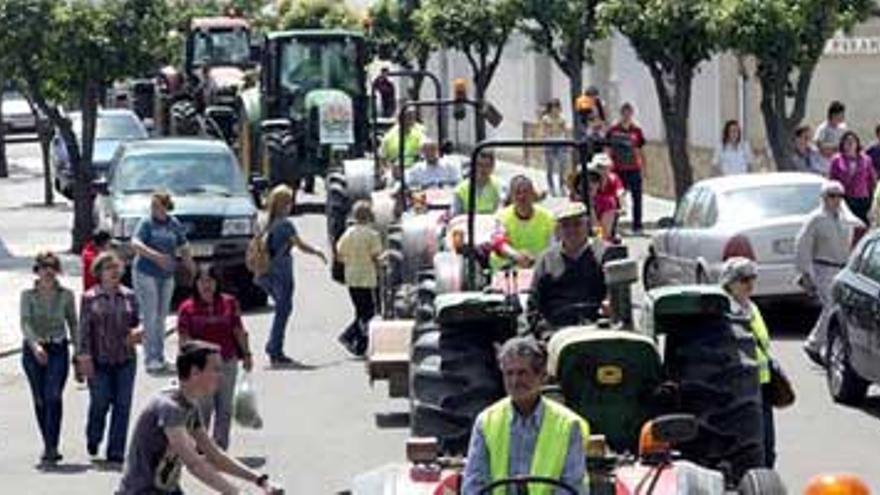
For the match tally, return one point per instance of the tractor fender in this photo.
(388, 354)
(419, 240)
(677, 477)
(383, 210)
(360, 177)
(395, 479)
(449, 272)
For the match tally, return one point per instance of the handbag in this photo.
(779, 391)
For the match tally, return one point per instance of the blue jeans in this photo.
(280, 289)
(47, 385)
(112, 385)
(154, 297)
(632, 181)
(555, 162)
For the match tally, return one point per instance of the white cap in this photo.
(832, 187)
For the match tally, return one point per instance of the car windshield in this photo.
(180, 173)
(112, 127)
(319, 64)
(771, 201)
(221, 47)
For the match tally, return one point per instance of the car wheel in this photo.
(651, 278)
(845, 385)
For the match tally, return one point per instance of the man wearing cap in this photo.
(568, 282)
(738, 280)
(525, 229)
(490, 192)
(432, 171)
(822, 249)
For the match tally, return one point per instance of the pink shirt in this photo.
(857, 175)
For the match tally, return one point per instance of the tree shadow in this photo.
(253, 462)
(392, 420)
(107, 466)
(298, 365)
(71, 468)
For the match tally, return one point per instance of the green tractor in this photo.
(309, 111)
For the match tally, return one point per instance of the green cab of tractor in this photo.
(308, 112)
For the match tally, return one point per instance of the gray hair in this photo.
(523, 347)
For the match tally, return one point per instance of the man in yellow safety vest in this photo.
(490, 193)
(413, 135)
(526, 434)
(526, 229)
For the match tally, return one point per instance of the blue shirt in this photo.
(281, 231)
(523, 438)
(164, 237)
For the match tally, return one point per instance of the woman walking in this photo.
(278, 282)
(738, 280)
(553, 127)
(854, 169)
(734, 155)
(359, 249)
(212, 316)
(48, 324)
(156, 241)
(107, 358)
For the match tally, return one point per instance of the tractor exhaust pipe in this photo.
(620, 275)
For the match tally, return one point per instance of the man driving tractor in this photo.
(432, 171)
(490, 192)
(568, 282)
(525, 433)
(525, 228)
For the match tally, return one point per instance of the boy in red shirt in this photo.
(629, 161)
(97, 245)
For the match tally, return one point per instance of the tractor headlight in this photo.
(238, 227)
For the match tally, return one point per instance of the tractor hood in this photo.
(226, 76)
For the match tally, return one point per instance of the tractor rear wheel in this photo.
(761, 482)
(185, 119)
(281, 147)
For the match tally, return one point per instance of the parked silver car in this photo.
(17, 113)
(755, 215)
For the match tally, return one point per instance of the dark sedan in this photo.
(854, 330)
(211, 199)
(112, 128)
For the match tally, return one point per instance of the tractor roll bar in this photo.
(439, 103)
(412, 74)
(586, 148)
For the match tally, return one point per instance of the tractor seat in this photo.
(608, 377)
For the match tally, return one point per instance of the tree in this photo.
(70, 52)
(479, 29)
(563, 30)
(4, 166)
(317, 14)
(671, 38)
(787, 38)
(395, 35)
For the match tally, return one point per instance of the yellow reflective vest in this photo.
(762, 337)
(488, 197)
(412, 145)
(530, 236)
(551, 446)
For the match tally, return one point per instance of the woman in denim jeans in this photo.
(156, 240)
(46, 309)
(108, 336)
(278, 282)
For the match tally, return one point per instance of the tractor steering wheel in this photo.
(522, 483)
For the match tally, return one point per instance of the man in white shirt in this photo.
(828, 134)
(433, 171)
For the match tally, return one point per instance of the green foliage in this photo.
(668, 35)
(562, 29)
(477, 28)
(318, 14)
(396, 35)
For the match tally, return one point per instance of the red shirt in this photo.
(89, 253)
(627, 161)
(607, 198)
(212, 323)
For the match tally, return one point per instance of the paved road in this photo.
(321, 424)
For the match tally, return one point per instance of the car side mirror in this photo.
(666, 223)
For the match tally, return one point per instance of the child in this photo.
(359, 249)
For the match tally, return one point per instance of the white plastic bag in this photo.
(245, 404)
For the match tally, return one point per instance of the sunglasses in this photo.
(834, 195)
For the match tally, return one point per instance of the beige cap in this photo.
(832, 187)
(571, 210)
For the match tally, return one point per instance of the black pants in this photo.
(632, 181)
(860, 207)
(364, 309)
(769, 428)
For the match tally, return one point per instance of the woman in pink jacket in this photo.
(853, 168)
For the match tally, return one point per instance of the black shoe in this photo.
(280, 361)
(51, 456)
(115, 459)
(349, 342)
(92, 450)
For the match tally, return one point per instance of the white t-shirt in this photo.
(733, 159)
(829, 136)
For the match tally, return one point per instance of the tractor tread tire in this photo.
(761, 481)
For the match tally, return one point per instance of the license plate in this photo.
(201, 250)
(783, 246)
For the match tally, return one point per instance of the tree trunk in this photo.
(778, 123)
(82, 193)
(675, 105)
(4, 166)
(479, 120)
(779, 137)
(575, 88)
(44, 134)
